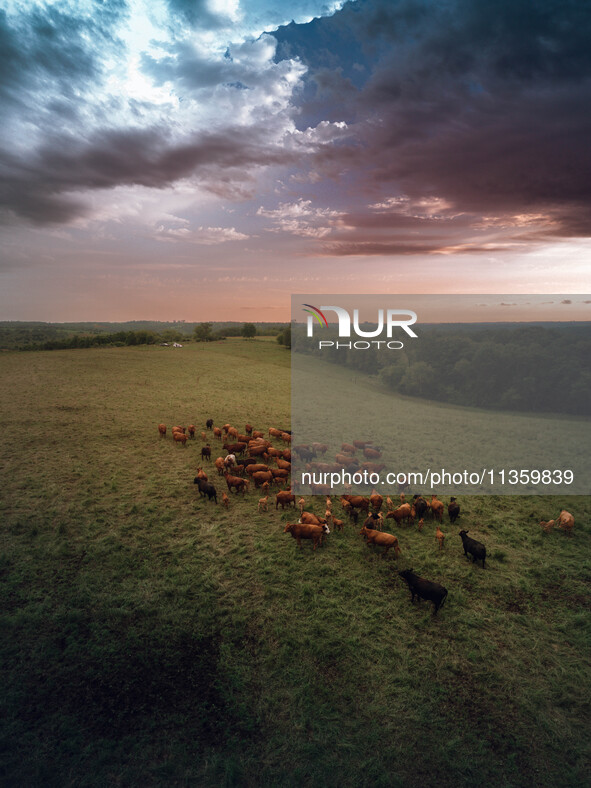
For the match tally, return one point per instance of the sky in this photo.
(205, 159)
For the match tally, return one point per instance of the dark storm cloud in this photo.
(481, 105)
(47, 47)
(484, 104)
(38, 188)
(50, 62)
(68, 131)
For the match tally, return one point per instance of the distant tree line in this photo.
(541, 368)
(58, 336)
(118, 339)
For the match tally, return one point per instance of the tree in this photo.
(249, 330)
(171, 335)
(284, 338)
(202, 332)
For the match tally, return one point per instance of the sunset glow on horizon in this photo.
(202, 160)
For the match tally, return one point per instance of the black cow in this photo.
(206, 452)
(420, 505)
(209, 423)
(424, 589)
(304, 453)
(453, 509)
(476, 549)
(247, 461)
(206, 488)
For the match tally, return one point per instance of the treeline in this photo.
(520, 367)
(56, 336)
(118, 339)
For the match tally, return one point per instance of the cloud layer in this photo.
(481, 105)
(226, 134)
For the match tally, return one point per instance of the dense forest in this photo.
(57, 336)
(509, 366)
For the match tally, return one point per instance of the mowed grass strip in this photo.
(151, 637)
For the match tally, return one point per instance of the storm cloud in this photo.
(484, 105)
(403, 127)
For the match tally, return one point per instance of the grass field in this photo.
(344, 404)
(153, 638)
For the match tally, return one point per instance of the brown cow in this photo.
(256, 442)
(301, 531)
(240, 485)
(357, 502)
(437, 508)
(263, 504)
(180, 437)
(310, 517)
(376, 501)
(191, 430)
(346, 461)
(234, 448)
(258, 451)
(262, 476)
(566, 521)
(440, 536)
(404, 512)
(162, 430)
(256, 467)
(320, 489)
(285, 498)
(373, 467)
(380, 538)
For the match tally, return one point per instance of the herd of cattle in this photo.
(234, 467)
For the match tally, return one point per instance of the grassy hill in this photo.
(153, 638)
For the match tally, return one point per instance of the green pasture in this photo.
(150, 637)
(336, 404)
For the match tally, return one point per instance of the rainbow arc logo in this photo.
(315, 312)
